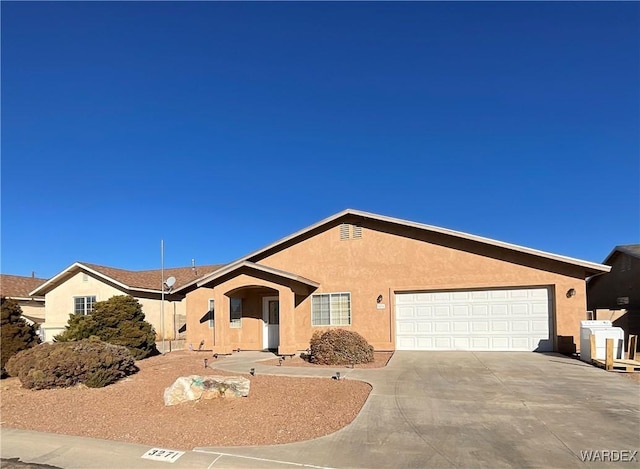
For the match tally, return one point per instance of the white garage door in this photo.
(515, 320)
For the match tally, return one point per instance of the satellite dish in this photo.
(171, 281)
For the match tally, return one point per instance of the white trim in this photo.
(26, 298)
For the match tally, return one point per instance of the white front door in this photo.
(271, 320)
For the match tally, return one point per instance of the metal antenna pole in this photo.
(162, 293)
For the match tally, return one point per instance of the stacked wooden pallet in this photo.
(629, 365)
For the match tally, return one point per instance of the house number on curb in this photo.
(159, 454)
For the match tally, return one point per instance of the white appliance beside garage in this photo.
(481, 320)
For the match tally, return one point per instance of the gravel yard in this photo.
(278, 409)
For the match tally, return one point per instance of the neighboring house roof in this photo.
(632, 250)
(141, 280)
(591, 268)
(19, 287)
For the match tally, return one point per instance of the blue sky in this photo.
(222, 127)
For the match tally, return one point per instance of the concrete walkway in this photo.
(426, 409)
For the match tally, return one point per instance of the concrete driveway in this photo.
(482, 409)
(427, 409)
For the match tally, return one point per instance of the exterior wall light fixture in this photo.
(571, 292)
(379, 299)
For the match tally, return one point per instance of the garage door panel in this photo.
(479, 310)
(520, 326)
(480, 326)
(520, 309)
(479, 343)
(539, 326)
(516, 319)
(498, 310)
(460, 326)
(404, 312)
(461, 310)
(442, 311)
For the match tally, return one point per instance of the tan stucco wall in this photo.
(31, 308)
(381, 263)
(250, 335)
(59, 304)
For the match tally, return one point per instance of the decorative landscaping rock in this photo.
(195, 388)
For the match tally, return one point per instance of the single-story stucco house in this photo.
(402, 285)
(78, 287)
(18, 287)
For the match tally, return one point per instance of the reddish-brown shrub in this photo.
(339, 347)
(63, 364)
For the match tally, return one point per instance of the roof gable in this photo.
(632, 250)
(143, 280)
(591, 268)
(240, 265)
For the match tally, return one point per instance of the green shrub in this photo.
(118, 321)
(339, 347)
(63, 364)
(15, 334)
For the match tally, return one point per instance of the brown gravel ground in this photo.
(278, 409)
(380, 359)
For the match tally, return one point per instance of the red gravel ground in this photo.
(278, 409)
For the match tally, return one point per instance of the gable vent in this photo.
(348, 231)
(344, 231)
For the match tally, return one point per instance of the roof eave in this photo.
(589, 266)
(52, 282)
(263, 268)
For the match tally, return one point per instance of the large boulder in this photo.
(195, 388)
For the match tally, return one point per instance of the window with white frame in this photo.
(235, 318)
(83, 304)
(211, 312)
(331, 309)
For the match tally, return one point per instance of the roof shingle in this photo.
(152, 279)
(17, 286)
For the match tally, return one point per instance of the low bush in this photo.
(339, 347)
(15, 334)
(63, 364)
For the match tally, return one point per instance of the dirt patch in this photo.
(278, 409)
(632, 376)
(380, 359)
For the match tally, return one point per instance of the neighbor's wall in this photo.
(622, 282)
(174, 315)
(381, 263)
(34, 309)
(59, 304)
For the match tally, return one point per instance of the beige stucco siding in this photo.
(59, 304)
(32, 309)
(381, 263)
